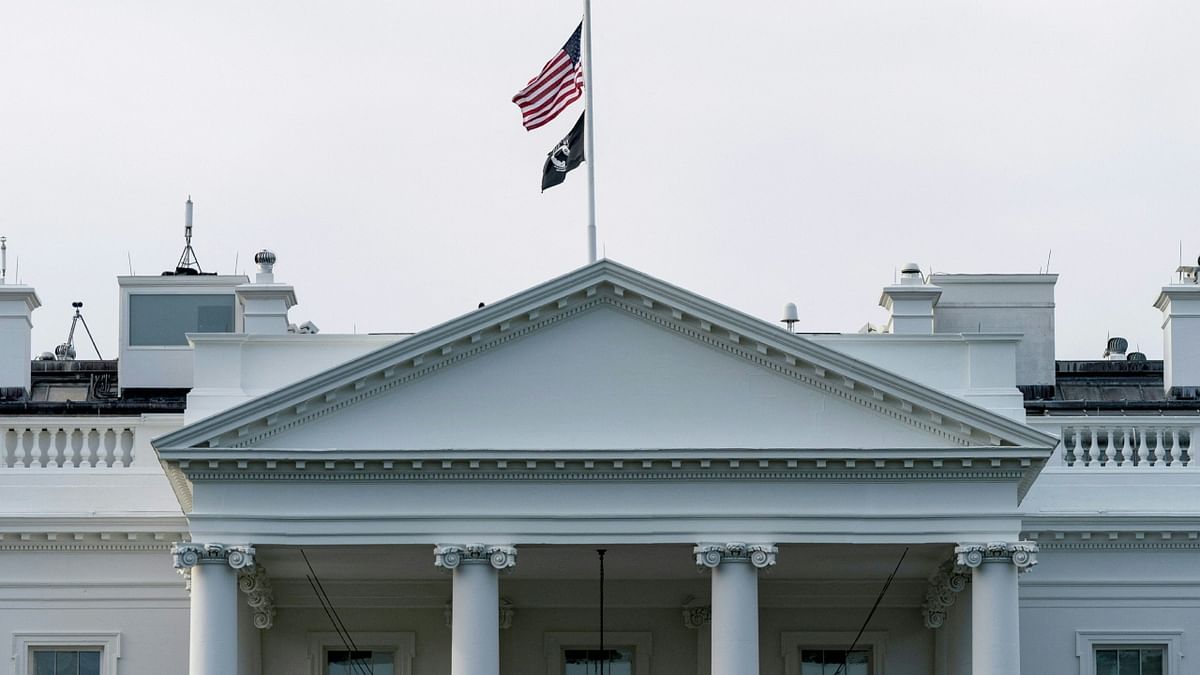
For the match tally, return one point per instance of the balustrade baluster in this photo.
(9, 449)
(74, 445)
(124, 448)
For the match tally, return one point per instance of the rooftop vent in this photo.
(1136, 356)
(1116, 348)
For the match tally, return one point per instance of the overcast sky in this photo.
(756, 153)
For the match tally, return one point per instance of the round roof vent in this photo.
(910, 268)
(1117, 345)
(264, 257)
(1136, 356)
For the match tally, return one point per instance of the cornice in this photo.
(602, 466)
(89, 541)
(614, 285)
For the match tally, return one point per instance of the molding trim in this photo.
(555, 642)
(712, 555)
(790, 643)
(450, 556)
(1086, 642)
(108, 643)
(1023, 554)
(944, 587)
(403, 645)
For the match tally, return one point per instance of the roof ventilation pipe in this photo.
(265, 304)
(911, 303)
(1116, 348)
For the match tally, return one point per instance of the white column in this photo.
(735, 603)
(213, 643)
(995, 623)
(475, 614)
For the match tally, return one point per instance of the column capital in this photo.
(188, 554)
(450, 556)
(1023, 554)
(759, 555)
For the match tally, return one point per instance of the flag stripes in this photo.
(558, 85)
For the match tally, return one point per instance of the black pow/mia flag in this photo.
(566, 155)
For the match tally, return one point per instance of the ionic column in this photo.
(735, 603)
(213, 644)
(475, 617)
(995, 623)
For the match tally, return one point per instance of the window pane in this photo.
(1129, 661)
(1106, 662)
(164, 319)
(89, 663)
(618, 661)
(66, 663)
(43, 663)
(1152, 662)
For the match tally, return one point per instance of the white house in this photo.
(434, 503)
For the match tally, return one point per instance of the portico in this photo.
(767, 482)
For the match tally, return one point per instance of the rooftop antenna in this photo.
(66, 351)
(4, 260)
(790, 317)
(188, 264)
(1048, 254)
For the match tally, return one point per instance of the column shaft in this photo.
(735, 619)
(475, 632)
(213, 637)
(995, 632)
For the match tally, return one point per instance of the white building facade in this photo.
(930, 499)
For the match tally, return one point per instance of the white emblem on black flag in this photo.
(566, 155)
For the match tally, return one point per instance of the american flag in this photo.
(558, 85)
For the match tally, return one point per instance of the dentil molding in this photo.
(450, 556)
(759, 555)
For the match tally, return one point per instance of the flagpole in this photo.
(589, 121)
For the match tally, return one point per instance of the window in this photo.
(376, 654)
(835, 661)
(66, 662)
(616, 661)
(66, 653)
(577, 653)
(374, 662)
(163, 319)
(1129, 652)
(824, 653)
(1128, 660)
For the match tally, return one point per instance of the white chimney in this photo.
(16, 325)
(265, 304)
(911, 303)
(1180, 305)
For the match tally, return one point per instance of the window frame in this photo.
(791, 642)
(108, 644)
(402, 645)
(556, 642)
(1087, 641)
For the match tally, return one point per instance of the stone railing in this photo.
(1126, 443)
(69, 443)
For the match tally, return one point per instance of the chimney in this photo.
(265, 304)
(1180, 305)
(911, 303)
(16, 308)
(1004, 303)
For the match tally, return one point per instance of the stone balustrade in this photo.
(68, 443)
(1123, 444)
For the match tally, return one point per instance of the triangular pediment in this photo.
(604, 358)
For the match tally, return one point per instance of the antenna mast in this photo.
(188, 264)
(3, 260)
